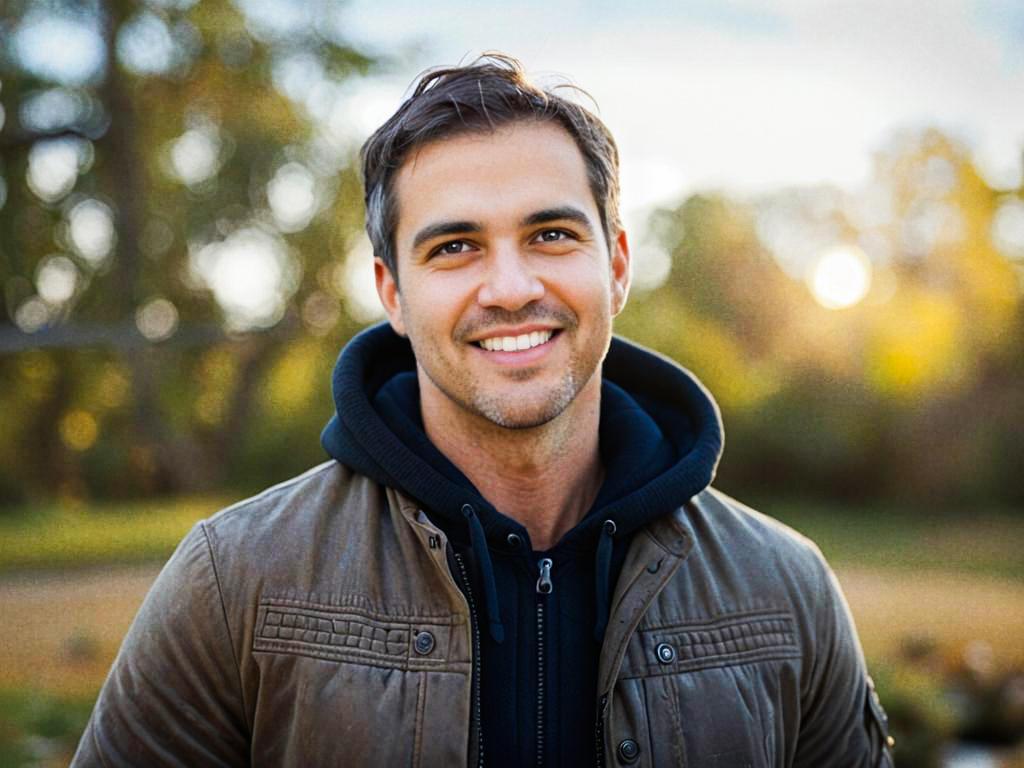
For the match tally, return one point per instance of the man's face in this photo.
(507, 286)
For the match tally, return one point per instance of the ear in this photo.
(387, 290)
(620, 272)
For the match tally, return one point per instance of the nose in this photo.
(510, 281)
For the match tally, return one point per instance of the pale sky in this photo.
(742, 95)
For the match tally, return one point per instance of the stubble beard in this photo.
(531, 409)
(526, 411)
(511, 415)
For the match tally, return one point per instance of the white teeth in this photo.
(515, 343)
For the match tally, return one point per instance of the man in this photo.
(514, 557)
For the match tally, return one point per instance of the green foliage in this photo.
(916, 392)
(145, 376)
(40, 729)
(912, 393)
(52, 536)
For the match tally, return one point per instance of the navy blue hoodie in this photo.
(540, 616)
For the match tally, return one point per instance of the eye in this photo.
(452, 248)
(552, 235)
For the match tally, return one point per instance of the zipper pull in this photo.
(544, 585)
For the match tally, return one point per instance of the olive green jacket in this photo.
(318, 624)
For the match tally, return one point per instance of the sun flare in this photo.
(840, 277)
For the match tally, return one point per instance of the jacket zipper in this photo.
(544, 587)
(477, 719)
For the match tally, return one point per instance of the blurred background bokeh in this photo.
(826, 208)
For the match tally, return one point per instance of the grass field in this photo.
(54, 536)
(71, 581)
(976, 541)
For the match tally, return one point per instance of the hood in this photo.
(660, 441)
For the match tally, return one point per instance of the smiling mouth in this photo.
(518, 343)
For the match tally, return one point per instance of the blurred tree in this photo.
(177, 203)
(180, 217)
(946, 349)
(913, 389)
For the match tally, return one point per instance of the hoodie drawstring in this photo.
(602, 571)
(479, 543)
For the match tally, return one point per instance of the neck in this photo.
(544, 477)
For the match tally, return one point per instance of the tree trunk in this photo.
(183, 462)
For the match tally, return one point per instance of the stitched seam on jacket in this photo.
(725, 618)
(410, 665)
(645, 599)
(356, 604)
(227, 625)
(715, 663)
(730, 640)
(421, 700)
(346, 652)
(679, 530)
(677, 732)
(341, 631)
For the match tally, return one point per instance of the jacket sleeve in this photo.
(173, 695)
(842, 723)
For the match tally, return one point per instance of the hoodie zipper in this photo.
(544, 588)
(475, 624)
(599, 730)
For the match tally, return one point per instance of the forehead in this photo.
(491, 177)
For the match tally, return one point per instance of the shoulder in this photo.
(294, 531)
(727, 525)
(741, 559)
(325, 491)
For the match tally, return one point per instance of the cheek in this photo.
(433, 305)
(586, 292)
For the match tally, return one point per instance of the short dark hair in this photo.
(487, 94)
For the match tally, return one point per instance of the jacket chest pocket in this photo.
(345, 686)
(715, 693)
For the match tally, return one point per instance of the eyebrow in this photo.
(562, 213)
(443, 228)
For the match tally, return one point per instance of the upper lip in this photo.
(519, 330)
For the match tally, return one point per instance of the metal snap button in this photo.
(424, 643)
(666, 653)
(629, 751)
(514, 540)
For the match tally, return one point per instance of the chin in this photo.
(527, 413)
(518, 420)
